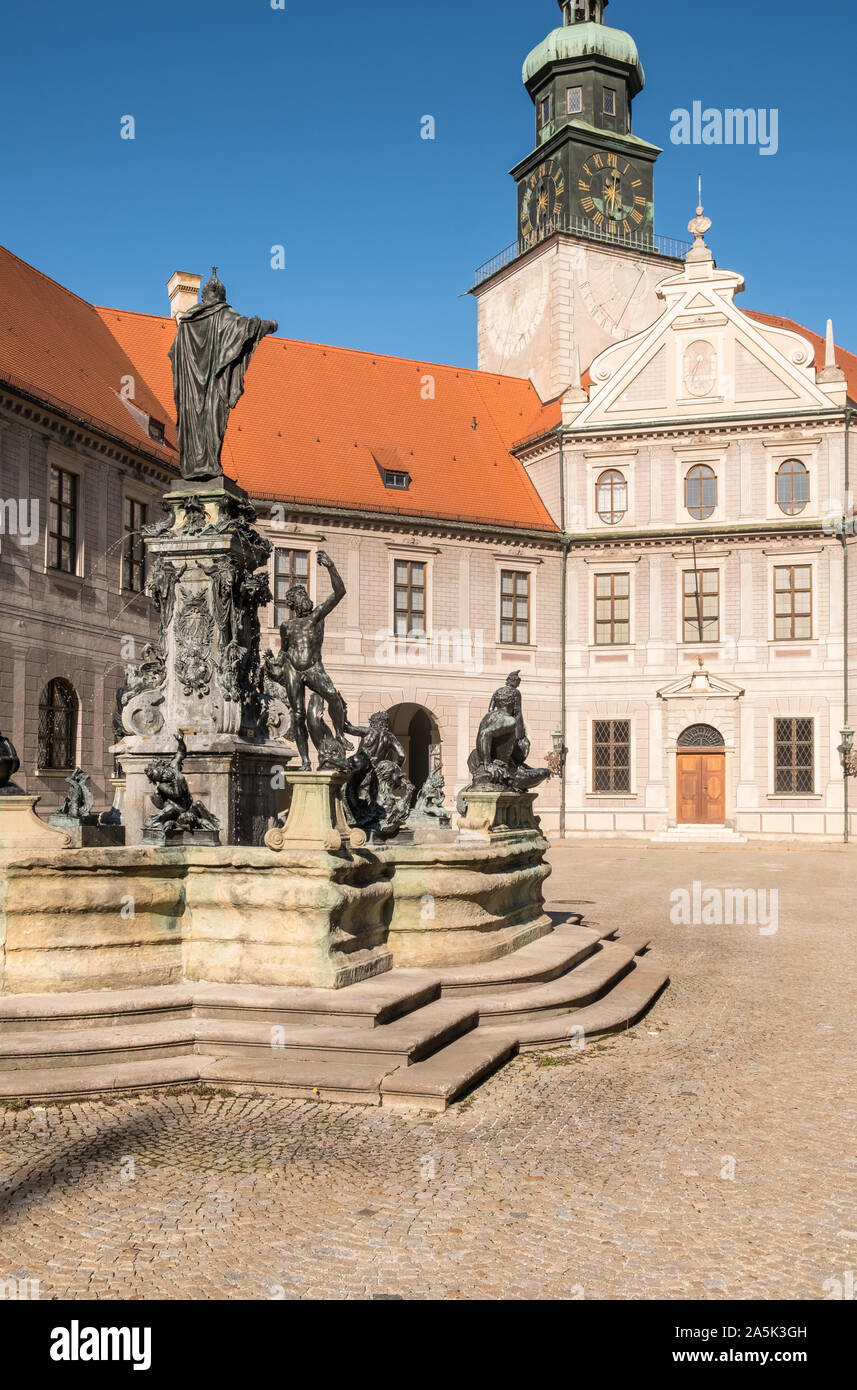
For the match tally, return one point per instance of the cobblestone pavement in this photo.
(709, 1153)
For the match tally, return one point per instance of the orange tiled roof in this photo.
(320, 424)
(844, 359)
(55, 346)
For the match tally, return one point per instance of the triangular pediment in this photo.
(703, 357)
(699, 684)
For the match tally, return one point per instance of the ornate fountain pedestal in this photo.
(204, 678)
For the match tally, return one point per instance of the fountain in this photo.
(264, 922)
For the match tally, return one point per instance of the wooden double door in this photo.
(701, 788)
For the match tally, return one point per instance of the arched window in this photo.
(701, 736)
(611, 497)
(792, 487)
(58, 726)
(700, 491)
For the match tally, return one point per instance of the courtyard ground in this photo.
(708, 1153)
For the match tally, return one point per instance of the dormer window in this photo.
(575, 100)
(544, 111)
(396, 479)
(156, 430)
(609, 101)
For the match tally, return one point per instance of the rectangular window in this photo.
(612, 610)
(544, 111)
(62, 536)
(609, 101)
(575, 100)
(515, 607)
(134, 549)
(793, 602)
(702, 605)
(393, 478)
(409, 598)
(611, 755)
(290, 567)
(795, 773)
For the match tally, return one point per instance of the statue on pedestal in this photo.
(212, 350)
(499, 759)
(177, 813)
(299, 669)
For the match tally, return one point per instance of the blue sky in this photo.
(300, 127)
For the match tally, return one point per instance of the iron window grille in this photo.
(792, 487)
(409, 601)
(702, 605)
(795, 757)
(134, 549)
(611, 497)
(58, 726)
(612, 610)
(793, 603)
(515, 607)
(290, 567)
(700, 492)
(611, 755)
(62, 533)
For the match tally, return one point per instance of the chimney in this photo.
(183, 289)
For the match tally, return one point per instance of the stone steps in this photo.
(412, 1038)
(626, 1003)
(401, 1042)
(570, 992)
(435, 1083)
(541, 960)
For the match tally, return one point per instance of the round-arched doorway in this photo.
(701, 776)
(416, 729)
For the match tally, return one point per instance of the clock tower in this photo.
(583, 271)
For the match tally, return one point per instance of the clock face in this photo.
(615, 294)
(515, 312)
(543, 201)
(611, 194)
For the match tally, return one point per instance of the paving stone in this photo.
(261, 1197)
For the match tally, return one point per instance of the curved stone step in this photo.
(405, 1040)
(434, 1083)
(43, 1013)
(95, 1047)
(52, 1083)
(342, 1079)
(632, 997)
(580, 986)
(541, 960)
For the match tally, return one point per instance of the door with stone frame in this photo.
(701, 777)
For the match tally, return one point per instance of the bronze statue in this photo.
(176, 812)
(210, 355)
(500, 756)
(9, 765)
(428, 807)
(299, 669)
(79, 800)
(377, 793)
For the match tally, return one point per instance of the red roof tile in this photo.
(320, 424)
(55, 346)
(844, 359)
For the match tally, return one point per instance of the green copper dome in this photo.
(582, 40)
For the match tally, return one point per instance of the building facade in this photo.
(638, 501)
